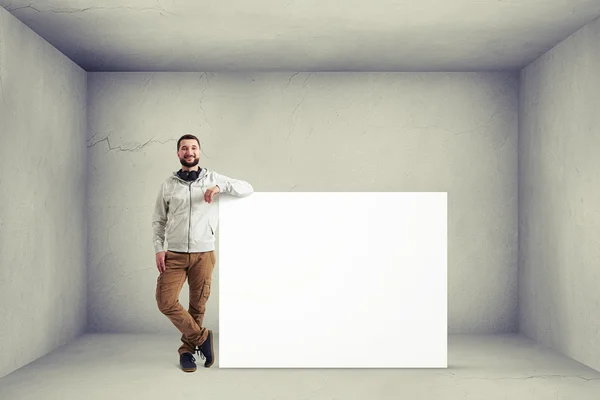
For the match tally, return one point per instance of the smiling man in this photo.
(186, 217)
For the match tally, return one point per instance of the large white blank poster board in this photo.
(333, 280)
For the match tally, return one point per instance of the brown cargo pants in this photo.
(197, 268)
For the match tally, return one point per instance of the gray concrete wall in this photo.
(42, 196)
(453, 132)
(559, 197)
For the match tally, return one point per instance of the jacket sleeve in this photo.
(159, 220)
(234, 187)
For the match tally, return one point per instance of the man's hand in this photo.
(160, 261)
(209, 194)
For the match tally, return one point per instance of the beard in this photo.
(189, 164)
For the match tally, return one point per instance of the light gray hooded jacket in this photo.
(183, 218)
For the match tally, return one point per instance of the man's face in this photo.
(189, 153)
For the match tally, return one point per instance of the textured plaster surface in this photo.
(454, 132)
(42, 196)
(490, 367)
(559, 197)
(304, 35)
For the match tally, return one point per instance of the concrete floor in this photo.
(490, 367)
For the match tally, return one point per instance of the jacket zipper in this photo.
(190, 217)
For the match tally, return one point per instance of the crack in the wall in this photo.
(205, 75)
(9, 9)
(290, 80)
(148, 81)
(299, 103)
(547, 376)
(94, 135)
(110, 253)
(306, 80)
(76, 10)
(527, 377)
(134, 149)
(144, 98)
(506, 136)
(292, 77)
(202, 99)
(107, 231)
(308, 136)
(294, 113)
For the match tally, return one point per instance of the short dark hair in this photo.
(188, 136)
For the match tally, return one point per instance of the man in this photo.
(186, 217)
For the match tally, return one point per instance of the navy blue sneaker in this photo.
(187, 362)
(206, 350)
